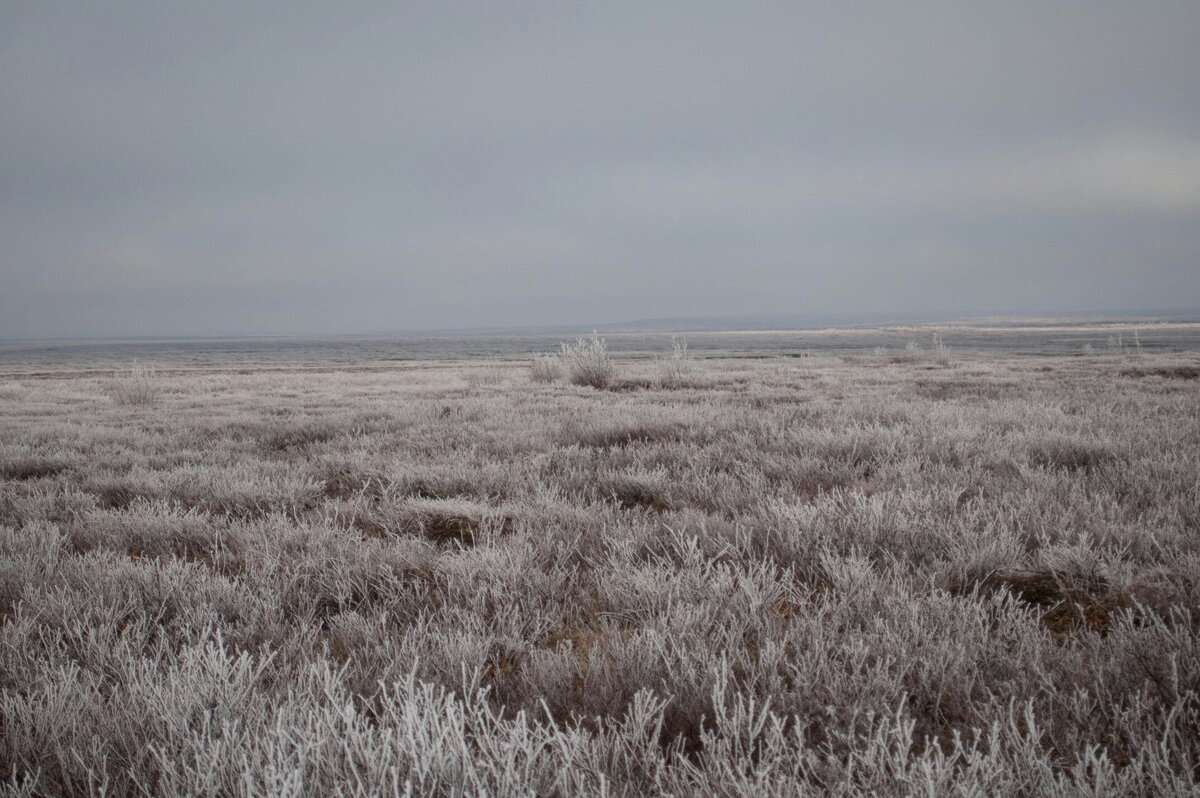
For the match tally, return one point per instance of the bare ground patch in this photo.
(1064, 607)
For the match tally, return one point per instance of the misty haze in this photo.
(608, 399)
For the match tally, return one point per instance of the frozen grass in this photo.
(678, 368)
(544, 368)
(587, 362)
(137, 387)
(797, 577)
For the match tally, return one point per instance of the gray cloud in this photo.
(1116, 173)
(212, 168)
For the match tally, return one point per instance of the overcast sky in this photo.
(210, 168)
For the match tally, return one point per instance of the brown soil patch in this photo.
(633, 495)
(1064, 609)
(463, 528)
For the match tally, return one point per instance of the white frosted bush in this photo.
(831, 580)
(137, 387)
(587, 362)
(677, 368)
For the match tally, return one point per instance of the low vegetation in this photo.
(677, 369)
(587, 362)
(544, 368)
(875, 575)
(136, 387)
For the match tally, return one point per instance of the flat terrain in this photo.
(890, 572)
(997, 337)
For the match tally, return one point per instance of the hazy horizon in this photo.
(273, 169)
(683, 325)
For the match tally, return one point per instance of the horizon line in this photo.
(662, 325)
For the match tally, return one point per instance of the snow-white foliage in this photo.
(834, 578)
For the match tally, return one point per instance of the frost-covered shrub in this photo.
(137, 387)
(587, 362)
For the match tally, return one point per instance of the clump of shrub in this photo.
(1117, 345)
(137, 387)
(939, 351)
(587, 362)
(913, 352)
(678, 368)
(544, 368)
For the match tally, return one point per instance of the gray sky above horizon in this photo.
(210, 168)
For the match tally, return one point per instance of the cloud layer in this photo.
(214, 168)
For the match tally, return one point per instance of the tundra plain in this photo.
(885, 571)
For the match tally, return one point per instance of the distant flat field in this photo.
(801, 563)
(383, 351)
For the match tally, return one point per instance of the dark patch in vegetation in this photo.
(863, 456)
(625, 435)
(198, 555)
(630, 384)
(504, 662)
(580, 639)
(1166, 372)
(682, 730)
(944, 390)
(822, 483)
(346, 483)
(455, 528)
(369, 526)
(444, 526)
(1064, 607)
(283, 438)
(634, 494)
(242, 506)
(114, 495)
(28, 468)
(1003, 469)
(1073, 455)
(431, 489)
